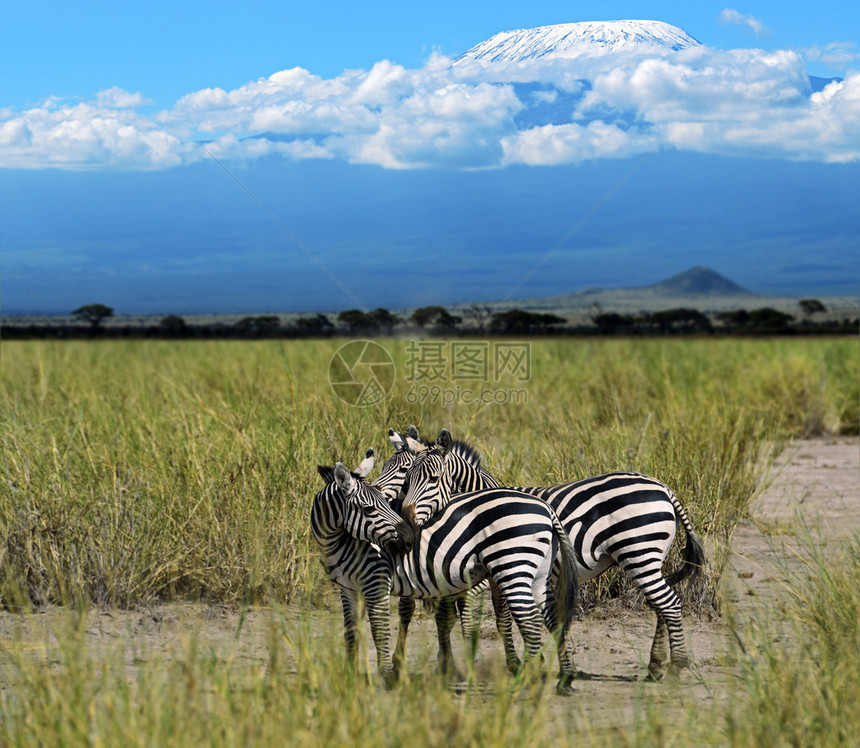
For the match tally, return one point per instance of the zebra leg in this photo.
(659, 649)
(405, 609)
(519, 596)
(377, 612)
(505, 627)
(662, 598)
(349, 600)
(548, 605)
(445, 618)
(469, 625)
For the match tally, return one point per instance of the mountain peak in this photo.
(699, 281)
(571, 40)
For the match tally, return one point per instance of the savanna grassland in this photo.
(140, 473)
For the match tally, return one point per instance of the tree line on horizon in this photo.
(437, 320)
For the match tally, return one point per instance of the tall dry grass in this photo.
(135, 471)
(797, 683)
(138, 471)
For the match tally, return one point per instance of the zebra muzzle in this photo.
(408, 514)
(403, 542)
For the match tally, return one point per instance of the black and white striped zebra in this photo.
(393, 474)
(506, 536)
(626, 519)
(407, 448)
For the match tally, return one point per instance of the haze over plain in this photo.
(176, 179)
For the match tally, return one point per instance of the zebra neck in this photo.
(340, 545)
(468, 475)
(406, 578)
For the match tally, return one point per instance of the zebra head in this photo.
(406, 447)
(366, 513)
(366, 465)
(427, 480)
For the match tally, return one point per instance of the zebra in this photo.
(393, 474)
(625, 519)
(390, 481)
(509, 537)
(407, 448)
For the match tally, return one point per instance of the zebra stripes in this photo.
(393, 473)
(391, 480)
(509, 537)
(626, 519)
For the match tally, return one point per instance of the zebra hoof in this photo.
(655, 673)
(679, 664)
(565, 686)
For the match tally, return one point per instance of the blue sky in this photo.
(192, 157)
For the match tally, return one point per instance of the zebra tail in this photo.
(568, 580)
(694, 553)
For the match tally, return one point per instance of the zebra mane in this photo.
(467, 452)
(327, 474)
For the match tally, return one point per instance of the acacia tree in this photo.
(173, 326)
(436, 315)
(811, 306)
(481, 313)
(93, 313)
(768, 317)
(426, 314)
(319, 324)
(358, 321)
(264, 324)
(385, 319)
(520, 321)
(681, 319)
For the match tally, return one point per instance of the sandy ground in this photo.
(816, 485)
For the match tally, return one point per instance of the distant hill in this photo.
(698, 281)
(700, 288)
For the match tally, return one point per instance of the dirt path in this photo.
(817, 483)
(815, 497)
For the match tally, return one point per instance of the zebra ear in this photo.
(444, 442)
(363, 470)
(398, 441)
(412, 433)
(326, 473)
(343, 478)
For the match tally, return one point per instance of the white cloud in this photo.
(740, 102)
(838, 55)
(551, 145)
(717, 86)
(87, 135)
(14, 133)
(732, 16)
(117, 98)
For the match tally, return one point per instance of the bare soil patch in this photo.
(816, 489)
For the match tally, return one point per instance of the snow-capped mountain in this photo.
(571, 40)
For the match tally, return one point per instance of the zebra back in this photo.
(618, 516)
(497, 526)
